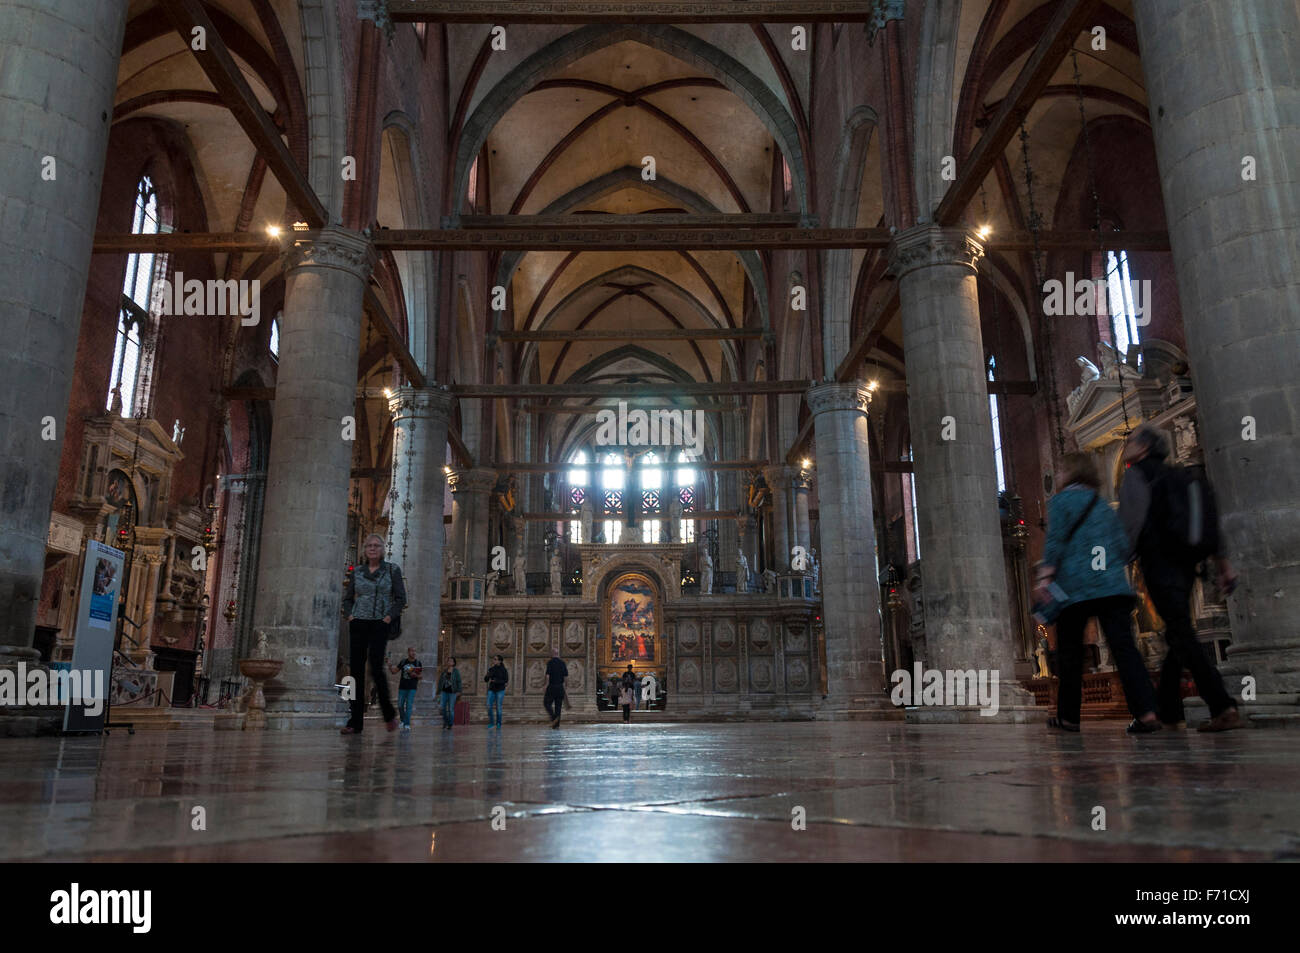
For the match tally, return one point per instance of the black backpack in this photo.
(1184, 519)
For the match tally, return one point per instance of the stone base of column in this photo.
(859, 708)
(29, 721)
(1266, 711)
(1015, 707)
(1275, 666)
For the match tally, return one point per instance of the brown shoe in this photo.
(1225, 720)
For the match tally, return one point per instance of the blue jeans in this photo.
(448, 701)
(406, 704)
(494, 701)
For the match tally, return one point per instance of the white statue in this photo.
(769, 581)
(742, 571)
(1114, 365)
(1087, 370)
(706, 571)
(587, 511)
(815, 567)
(493, 578)
(674, 518)
(521, 581)
(555, 572)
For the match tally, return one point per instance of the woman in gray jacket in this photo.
(373, 597)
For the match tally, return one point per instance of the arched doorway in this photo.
(632, 635)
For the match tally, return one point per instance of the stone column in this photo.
(802, 523)
(967, 616)
(471, 492)
(305, 519)
(780, 480)
(420, 416)
(56, 103)
(850, 600)
(1221, 83)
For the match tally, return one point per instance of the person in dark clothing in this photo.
(553, 699)
(449, 688)
(373, 595)
(497, 678)
(1170, 575)
(1081, 527)
(630, 680)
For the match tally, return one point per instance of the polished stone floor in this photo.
(869, 791)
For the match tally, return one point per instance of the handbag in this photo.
(1047, 612)
(394, 627)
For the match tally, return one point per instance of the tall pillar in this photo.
(420, 416)
(967, 616)
(850, 600)
(780, 480)
(56, 101)
(1236, 249)
(471, 493)
(305, 519)
(802, 524)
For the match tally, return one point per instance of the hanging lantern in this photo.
(232, 611)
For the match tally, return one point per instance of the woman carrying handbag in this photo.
(1083, 576)
(373, 598)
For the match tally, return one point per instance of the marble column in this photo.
(802, 524)
(780, 481)
(471, 493)
(1221, 79)
(968, 620)
(850, 597)
(303, 552)
(56, 101)
(420, 416)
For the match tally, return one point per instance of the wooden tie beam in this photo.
(630, 11)
(628, 390)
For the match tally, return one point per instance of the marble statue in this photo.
(674, 519)
(493, 578)
(815, 567)
(1087, 370)
(588, 515)
(742, 571)
(521, 580)
(1114, 365)
(706, 571)
(555, 572)
(769, 581)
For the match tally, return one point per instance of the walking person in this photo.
(373, 597)
(410, 672)
(629, 681)
(1172, 527)
(625, 696)
(449, 688)
(553, 696)
(1083, 576)
(497, 678)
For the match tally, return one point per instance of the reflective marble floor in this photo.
(869, 791)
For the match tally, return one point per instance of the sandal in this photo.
(1059, 725)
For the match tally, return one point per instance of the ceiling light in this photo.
(984, 231)
(273, 231)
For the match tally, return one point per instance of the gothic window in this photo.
(996, 414)
(275, 337)
(605, 479)
(1119, 301)
(133, 320)
(913, 525)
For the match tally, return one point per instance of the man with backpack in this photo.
(1173, 526)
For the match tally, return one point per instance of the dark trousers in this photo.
(1113, 614)
(554, 702)
(369, 639)
(1171, 593)
(627, 712)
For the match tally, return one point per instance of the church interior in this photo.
(737, 345)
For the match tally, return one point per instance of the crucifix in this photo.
(632, 491)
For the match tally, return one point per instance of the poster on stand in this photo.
(92, 651)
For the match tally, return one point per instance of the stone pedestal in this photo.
(420, 416)
(304, 529)
(968, 616)
(56, 101)
(850, 597)
(1220, 79)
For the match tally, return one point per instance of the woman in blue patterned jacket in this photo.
(373, 597)
(1083, 570)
